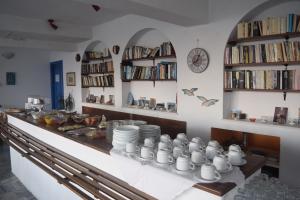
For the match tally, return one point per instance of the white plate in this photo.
(244, 161)
(198, 177)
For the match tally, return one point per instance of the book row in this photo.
(103, 67)
(262, 79)
(163, 71)
(263, 53)
(98, 81)
(269, 26)
(138, 52)
(90, 55)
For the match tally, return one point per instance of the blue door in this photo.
(57, 84)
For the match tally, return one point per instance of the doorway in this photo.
(57, 85)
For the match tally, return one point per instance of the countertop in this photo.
(100, 143)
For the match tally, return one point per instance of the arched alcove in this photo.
(261, 103)
(149, 71)
(97, 74)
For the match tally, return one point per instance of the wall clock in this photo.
(198, 60)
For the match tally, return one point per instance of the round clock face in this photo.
(198, 60)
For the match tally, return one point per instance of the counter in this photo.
(96, 153)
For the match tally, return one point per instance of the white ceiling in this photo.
(22, 20)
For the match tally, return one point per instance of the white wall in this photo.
(32, 75)
(212, 37)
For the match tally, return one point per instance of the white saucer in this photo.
(244, 161)
(168, 163)
(181, 172)
(144, 159)
(130, 154)
(226, 170)
(243, 153)
(203, 180)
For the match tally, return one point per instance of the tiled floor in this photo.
(10, 187)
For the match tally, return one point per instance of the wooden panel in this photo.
(168, 126)
(268, 145)
(110, 115)
(227, 137)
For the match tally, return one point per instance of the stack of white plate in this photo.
(134, 122)
(125, 134)
(147, 131)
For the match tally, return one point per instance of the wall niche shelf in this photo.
(97, 71)
(262, 56)
(270, 64)
(148, 71)
(259, 90)
(265, 37)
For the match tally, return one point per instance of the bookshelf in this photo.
(255, 45)
(161, 68)
(97, 74)
(148, 73)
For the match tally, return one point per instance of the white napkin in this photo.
(236, 176)
(163, 184)
(130, 169)
(152, 179)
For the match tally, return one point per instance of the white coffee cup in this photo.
(146, 152)
(221, 163)
(198, 140)
(165, 138)
(181, 136)
(183, 163)
(214, 143)
(178, 142)
(149, 142)
(177, 151)
(164, 145)
(131, 147)
(193, 146)
(209, 172)
(198, 156)
(235, 157)
(164, 156)
(211, 152)
(234, 147)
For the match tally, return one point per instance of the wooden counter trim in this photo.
(71, 171)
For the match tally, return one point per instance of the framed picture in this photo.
(280, 115)
(10, 78)
(71, 81)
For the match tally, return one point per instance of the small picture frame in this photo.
(280, 115)
(70, 77)
(10, 78)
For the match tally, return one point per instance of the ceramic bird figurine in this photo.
(189, 92)
(207, 102)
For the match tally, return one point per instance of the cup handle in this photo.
(171, 159)
(137, 149)
(193, 166)
(151, 154)
(218, 175)
(229, 165)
